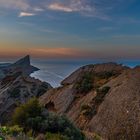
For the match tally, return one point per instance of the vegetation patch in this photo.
(31, 118)
(86, 110)
(85, 84)
(92, 80)
(51, 136)
(91, 109)
(106, 74)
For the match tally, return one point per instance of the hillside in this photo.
(102, 99)
(21, 115)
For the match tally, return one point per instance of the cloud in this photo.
(25, 14)
(89, 8)
(38, 9)
(60, 7)
(71, 6)
(15, 4)
(62, 52)
(83, 7)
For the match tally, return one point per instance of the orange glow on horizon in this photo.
(43, 52)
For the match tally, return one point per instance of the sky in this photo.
(64, 29)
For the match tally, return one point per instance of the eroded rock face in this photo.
(16, 87)
(119, 113)
(111, 108)
(23, 65)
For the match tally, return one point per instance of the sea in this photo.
(54, 71)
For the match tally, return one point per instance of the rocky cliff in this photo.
(102, 99)
(23, 65)
(16, 87)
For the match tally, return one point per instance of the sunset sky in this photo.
(106, 29)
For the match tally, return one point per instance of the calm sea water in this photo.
(53, 71)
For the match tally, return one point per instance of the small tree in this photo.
(31, 109)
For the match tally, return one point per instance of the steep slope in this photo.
(102, 98)
(119, 115)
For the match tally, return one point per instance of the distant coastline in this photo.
(54, 71)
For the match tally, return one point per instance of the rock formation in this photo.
(16, 87)
(102, 99)
(23, 65)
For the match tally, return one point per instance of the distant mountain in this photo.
(101, 99)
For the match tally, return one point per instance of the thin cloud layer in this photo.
(60, 7)
(92, 8)
(25, 14)
(14, 4)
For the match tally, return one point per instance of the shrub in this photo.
(85, 84)
(86, 110)
(106, 75)
(30, 117)
(28, 110)
(105, 90)
(15, 130)
(51, 136)
(60, 124)
(97, 137)
(2, 138)
(35, 123)
(4, 130)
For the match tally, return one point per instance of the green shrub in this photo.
(60, 124)
(51, 136)
(106, 75)
(15, 130)
(35, 123)
(86, 110)
(30, 117)
(28, 110)
(97, 137)
(85, 84)
(2, 138)
(4, 130)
